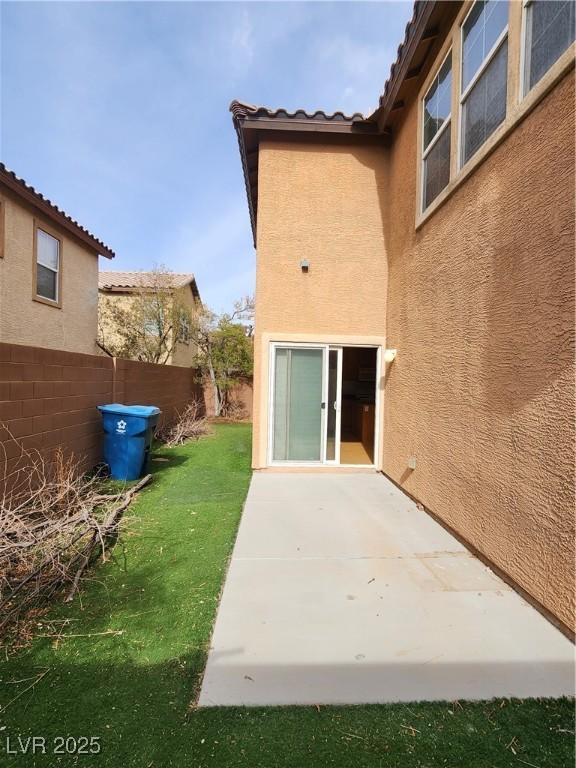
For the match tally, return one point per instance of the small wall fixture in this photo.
(389, 355)
(304, 265)
(412, 462)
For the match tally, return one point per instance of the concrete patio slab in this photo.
(341, 591)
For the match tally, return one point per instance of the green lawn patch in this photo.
(123, 662)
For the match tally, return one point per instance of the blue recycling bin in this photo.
(128, 434)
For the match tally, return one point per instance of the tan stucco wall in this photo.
(322, 203)
(72, 327)
(184, 354)
(481, 309)
(106, 327)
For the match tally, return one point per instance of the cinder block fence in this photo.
(48, 398)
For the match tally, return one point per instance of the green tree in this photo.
(225, 350)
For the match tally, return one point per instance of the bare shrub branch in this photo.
(54, 520)
(190, 424)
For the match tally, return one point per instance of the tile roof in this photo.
(50, 209)
(409, 32)
(131, 280)
(421, 11)
(241, 109)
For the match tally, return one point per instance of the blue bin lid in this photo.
(130, 410)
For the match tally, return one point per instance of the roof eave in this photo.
(244, 120)
(417, 31)
(44, 206)
(246, 173)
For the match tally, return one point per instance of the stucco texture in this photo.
(71, 327)
(323, 204)
(481, 309)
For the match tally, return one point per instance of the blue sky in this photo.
(118, 112)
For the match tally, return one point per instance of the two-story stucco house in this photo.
(120, 289)
(48, 272)
(415, 278)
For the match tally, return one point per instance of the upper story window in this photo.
(436, 116)
(549, 31)
(484, 73)
(184, 328)
(152, 327)
(489, 42)
(47, 266)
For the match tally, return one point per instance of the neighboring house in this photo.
(48, 272)
(120, 289)
(441, 226)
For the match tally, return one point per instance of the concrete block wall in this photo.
(169, 387)
(48, 399)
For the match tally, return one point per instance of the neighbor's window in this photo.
(153, 322)
(152, 326)
(184, 329)
(47, 266)
(484, 73)
(436, 134)
(549, 30)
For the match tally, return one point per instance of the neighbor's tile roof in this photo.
(31, 195)
(119, 280)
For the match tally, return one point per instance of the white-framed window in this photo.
(47, 266)
(151, 327)
(153, 321)
(436, 118)
(184, 328)
(549, 28)
(484, 75)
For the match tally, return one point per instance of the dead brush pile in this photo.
(54, 521)
(190, 424)
(233, 411)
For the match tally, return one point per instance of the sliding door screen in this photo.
(298, 404)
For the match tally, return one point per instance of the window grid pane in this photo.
(46, 283)
(437, 168)
(484, 25)
(47, 251)
(550, 28)
(438, 101)
(485, 106)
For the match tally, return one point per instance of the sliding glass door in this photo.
(333, 402)
(298, 404)
(306, 399)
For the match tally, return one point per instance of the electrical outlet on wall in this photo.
(412, 462)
